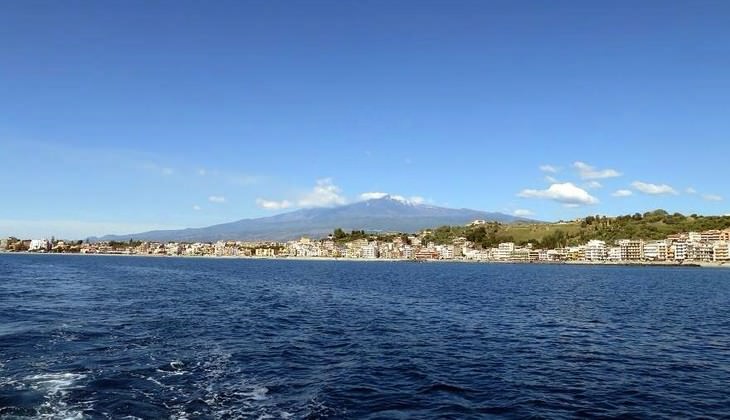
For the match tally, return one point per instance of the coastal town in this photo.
(711, 246)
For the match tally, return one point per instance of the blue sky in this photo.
(122, 116)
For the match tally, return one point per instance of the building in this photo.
(614, 253)
(711, 236)
(39, 245)
(407, 252)
(656, 251)
(701, 252)
(446, 252)
(3, 244)
(631, 249)
(721, 251)
(694, 237)
(679, 250)
(427, 254)
(265, 252)
(520, 255)
(595, 250)
(505, 250)
(369, 251)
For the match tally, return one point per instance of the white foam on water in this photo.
(54, 383)
(55, 387)
(257, 394)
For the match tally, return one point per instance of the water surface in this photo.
(109, 337)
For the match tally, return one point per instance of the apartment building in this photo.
(656, 251)
(721, 251)
(595, 250)
(631, 249)
(505, 250)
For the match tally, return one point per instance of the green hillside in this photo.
(657, 224)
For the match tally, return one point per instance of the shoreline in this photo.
(693, 264)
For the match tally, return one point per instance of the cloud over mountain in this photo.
(566, 193)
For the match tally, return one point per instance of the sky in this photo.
(125, 116)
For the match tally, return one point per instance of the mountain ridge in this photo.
(386, 214)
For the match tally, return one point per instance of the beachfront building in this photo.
(656, 251)
(39, 245)
(595, 250)
(504, 251)
(265, 252)
(679, 251)
(721, 251)
(575, 253)
(3, 244)
(427, 254)
(701, 252)
(631, 249)
(614, 253)
(555, 254)
(520, 255)
(408, 252)
(369, 252)
(446, 252)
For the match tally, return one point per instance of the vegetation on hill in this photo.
(340, 236)
(657, 224)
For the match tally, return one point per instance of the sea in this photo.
(116, 337)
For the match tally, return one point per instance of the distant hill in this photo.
(385, 214)
(653, 225)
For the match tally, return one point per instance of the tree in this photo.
(339, 234)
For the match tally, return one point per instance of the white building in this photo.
(369, 252)
(614, 253)
(39, 245)
(680, 250)
(694, 237)
(505, 250)
(656, 251)
(446, 252)
(595, 250)
(722, 251)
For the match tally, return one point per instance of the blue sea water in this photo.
(128, 337)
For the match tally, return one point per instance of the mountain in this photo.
(386, 214)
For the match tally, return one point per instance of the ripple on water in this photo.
(159, 338)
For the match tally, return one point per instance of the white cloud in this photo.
(523, 213)
(196, 207)
(551, 179)
(587, 171)
(565, 193)
(690, 190)
(273, 205)
(654, 189)
(712, 197)
(550, 169)
(202, 172)
(623, 193)
(593, 185)
(372, 195)
(415, 199)
(324, 194)
(217, 199)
